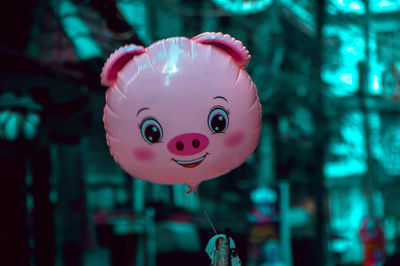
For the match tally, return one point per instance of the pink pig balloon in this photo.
(182, 110)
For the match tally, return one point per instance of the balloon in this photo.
(181, 110)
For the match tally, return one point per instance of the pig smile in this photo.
(191, 163)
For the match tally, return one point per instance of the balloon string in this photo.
(205, 212)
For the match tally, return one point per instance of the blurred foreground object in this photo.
(373, 239)
(269, 230)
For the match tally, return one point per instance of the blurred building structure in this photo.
(327, 76)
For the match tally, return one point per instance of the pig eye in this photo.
(151, 131)
(218, 120)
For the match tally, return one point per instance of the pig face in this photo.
(181, 111)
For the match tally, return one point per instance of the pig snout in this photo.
(188, 144)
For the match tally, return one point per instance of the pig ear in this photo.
(117, 61)
(227, 43)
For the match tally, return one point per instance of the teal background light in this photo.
(358, 7)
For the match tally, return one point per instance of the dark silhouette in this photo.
(394, 259)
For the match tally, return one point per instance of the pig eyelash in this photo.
(227, 111)
(144, 120)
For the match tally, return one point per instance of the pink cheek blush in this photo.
(234, 139)
(143, 154)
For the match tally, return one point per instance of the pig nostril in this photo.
(179, 146)
(196, 143)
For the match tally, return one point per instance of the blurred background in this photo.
(322, 188)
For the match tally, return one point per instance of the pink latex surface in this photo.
(178, 82)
